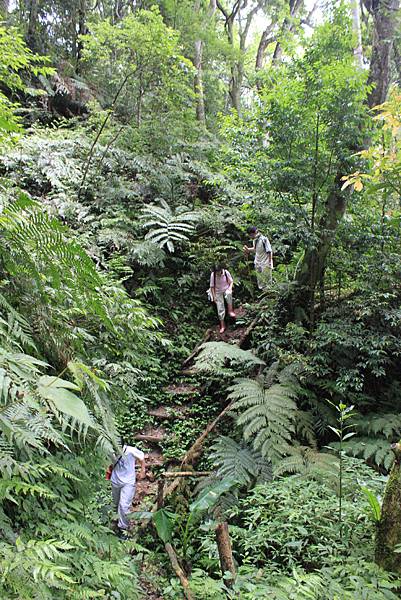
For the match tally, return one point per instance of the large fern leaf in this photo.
(167, 226)
(214, 355)
(240, 462)
(267, 415)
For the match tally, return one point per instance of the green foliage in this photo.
(156, 98)
(15, 58)
(166, 226)
(308, 462)
(267, 415)
(349, 580)
(373, 503)
(80, 356)
(239, 462)
(291, 523)
(215, 355)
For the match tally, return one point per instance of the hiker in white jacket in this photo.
(263, 257)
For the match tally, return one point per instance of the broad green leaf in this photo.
(349, 435)
(56, 382)
(163, 521)
(373, 503)
(55, 391)
(208, 498)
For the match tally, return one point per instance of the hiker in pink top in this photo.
(221, 288)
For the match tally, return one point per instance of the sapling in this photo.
(344, 413)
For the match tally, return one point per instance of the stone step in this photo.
(178, 389)
(153, 435)
(168, 412)
(152, 439)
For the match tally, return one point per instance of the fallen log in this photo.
(246, 333)
(178, 571)
(186, 473)
(196, 449)
(206, 338)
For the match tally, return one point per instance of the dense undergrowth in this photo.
(106, 248)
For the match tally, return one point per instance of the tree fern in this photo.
(306, 461)
(240, 462)
(214, 355)
(167, 226)
(376, 450)
(267, 415)
(375, 433)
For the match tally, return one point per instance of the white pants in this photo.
(263, 274)
(123, 496)
(221, 307)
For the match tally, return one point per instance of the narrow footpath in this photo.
(181, 395)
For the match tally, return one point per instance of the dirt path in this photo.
(182, 394)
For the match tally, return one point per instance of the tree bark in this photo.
(389, 527)
(265, 39)
(82, 30)
(198, 83)
(4, 8)
(356, 25)
(237, 68)
(287, 26)
(385, 24)
(198, 56)
(225, 552)
(31, 39)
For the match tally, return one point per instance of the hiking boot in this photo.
(222, 329)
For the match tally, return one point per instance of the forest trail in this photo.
(181, 394)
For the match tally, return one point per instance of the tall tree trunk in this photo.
(356, 25)
(237, 71)
(389, 527)
(198, 83)
(31, 33)
(287, 26)
(4, 9)
(82, 30)
(385, 25)
(198, 56)
(237, 76)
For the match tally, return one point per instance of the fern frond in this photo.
(306, 461)
(167, 226)
(374, 449)
(214, 355)
(240, 462)
(267, 415)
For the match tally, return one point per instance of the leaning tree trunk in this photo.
(389, 526)
(225, 552)
(385, 26)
